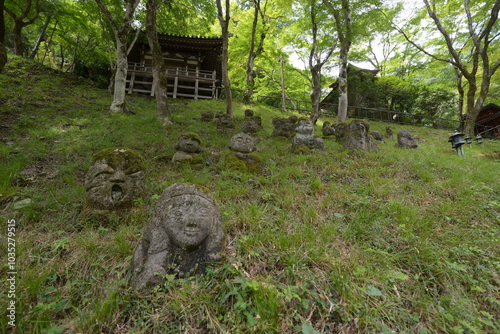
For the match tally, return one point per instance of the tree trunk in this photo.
(40, 38)
(121, 35)
(282, 83)
(343, 102)
(19, 24)
(224, 22)
(249, 72)
(17, 38)
(159, 67)
(118, 104)
(344, 30)
(316, 92)
(3, 49)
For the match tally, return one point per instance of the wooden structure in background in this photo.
(488, 122)
(193, 67)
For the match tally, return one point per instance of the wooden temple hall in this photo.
(193, 67)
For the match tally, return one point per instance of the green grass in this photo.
(394, 241)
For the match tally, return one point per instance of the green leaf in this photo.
(308, 329)
(373, 291)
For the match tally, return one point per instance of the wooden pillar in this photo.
(176, 82)
(196, 82)
(132, 78)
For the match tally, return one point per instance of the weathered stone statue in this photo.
(250, 127)
(355, 136)
(377, 135)
(183, 238)
(304, 135)
(242, 143)
(241, 157)
(249, 113)
(115, 179)
(207, 116)
(284, 127)
(406, 140)
(388, 132)
(225, 123)
(328, 129)
(188, 147)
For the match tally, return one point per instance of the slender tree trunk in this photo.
(121, 36)
(224, 22)
(3, 49)
(159, 67)
(460, 104)
(470, 117)
(344, 30)
(343, 102)
(282, 83)
(118, 104)
(40, 38)
(249, 71)
(316, 92)
(49, 42)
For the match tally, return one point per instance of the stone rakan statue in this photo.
(304, 135)
(115, 179)
(183, 238)
(187, 147)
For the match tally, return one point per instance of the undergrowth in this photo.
(395, 241)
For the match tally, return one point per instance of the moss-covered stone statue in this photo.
(284, 127)
(115, 179)
(188, 148)
(304, 135)
(241, 157)
(183, 238)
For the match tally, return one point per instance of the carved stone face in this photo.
(189, 220)
(305, 127)
(187, 144)
(112, 183)
(183, 238)
(242, 143)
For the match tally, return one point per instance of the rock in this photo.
(355, 136)
(377, 135)
(183, 238)
(406, 140)
(115, 179)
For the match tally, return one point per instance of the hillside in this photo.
(396, 241)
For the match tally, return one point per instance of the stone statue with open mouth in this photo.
(115, 179)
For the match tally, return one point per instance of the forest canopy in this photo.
(437, 55)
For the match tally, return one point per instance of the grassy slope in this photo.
(393, 241)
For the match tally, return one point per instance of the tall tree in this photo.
(344, 32)
(470, 53)
(3, 49)
(121, 32)
(254, 51)
(21, 20)
(224, 17)
(159, 66)
(317, 59)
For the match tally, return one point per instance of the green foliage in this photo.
(331, 241)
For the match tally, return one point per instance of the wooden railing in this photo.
(182, 82)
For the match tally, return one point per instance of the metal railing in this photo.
(365, 113)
